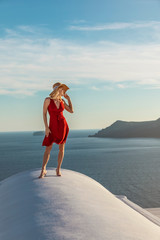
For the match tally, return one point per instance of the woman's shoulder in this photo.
(47, 100)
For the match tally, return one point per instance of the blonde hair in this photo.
(55, 93)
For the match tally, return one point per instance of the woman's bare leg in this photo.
(60, 157)
(46, 157)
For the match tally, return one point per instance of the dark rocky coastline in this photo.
(122, 129)
(38, 133)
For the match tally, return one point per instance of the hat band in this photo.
(55, 87)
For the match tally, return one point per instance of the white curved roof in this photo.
(71, 207)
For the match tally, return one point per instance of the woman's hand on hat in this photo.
(47, 131)
(66, 96)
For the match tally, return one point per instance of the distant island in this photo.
(38, 133)
(122, 129)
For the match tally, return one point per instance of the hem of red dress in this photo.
(45, 145)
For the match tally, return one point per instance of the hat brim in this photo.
(64, 86)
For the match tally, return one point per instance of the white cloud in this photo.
(95, 88)
(22, 92)
(79, 21)
(30, 29)
(117, 26)
(30, 64)
(121, 86)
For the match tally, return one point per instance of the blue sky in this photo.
(107, 52)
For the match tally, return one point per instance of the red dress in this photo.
(57, 124)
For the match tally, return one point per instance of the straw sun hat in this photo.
(57, 86)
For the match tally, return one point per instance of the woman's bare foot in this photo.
(43, 174)
(58, 172)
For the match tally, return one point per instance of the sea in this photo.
(128, 167)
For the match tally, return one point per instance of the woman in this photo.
(58, 129)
